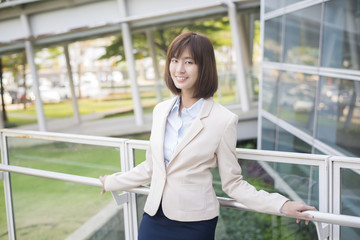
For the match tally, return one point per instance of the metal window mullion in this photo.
(336, 196)
(7, 190)
(260, 106)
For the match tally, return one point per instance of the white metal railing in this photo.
(327, 220)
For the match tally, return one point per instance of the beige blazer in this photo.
(185, 186)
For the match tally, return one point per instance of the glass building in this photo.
(310, 86)
(310, 77)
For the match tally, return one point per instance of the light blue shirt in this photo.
(177, 126)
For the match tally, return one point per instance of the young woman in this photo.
(192, 134)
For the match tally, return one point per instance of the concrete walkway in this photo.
(95, 125)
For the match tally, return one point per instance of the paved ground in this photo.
(95, 124)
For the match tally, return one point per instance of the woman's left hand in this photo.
(296, 209)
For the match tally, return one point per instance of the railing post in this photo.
(7, 190)
(132, 197)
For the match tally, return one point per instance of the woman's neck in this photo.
(186, 101)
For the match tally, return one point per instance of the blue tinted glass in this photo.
(338, 122)
(271, 5)
(350, 200)
(289, 143)
(269, 93)
(297, 99)
(341, 40)
(268, 131)
(302, 35)
(272, 40)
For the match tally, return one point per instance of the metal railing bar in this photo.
(65, 137)
(52, 175)
(343, 220)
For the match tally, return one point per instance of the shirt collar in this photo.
(193, 111)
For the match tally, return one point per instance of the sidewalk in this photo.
(94, 124)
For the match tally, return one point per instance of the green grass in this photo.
(50, 209)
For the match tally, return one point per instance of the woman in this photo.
(191, 134)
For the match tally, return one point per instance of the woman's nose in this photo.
(180, 68)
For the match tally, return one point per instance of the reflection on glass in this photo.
(49, 209)
(289, 2)
(341, 40)
(350, 200)
(302, 35)
(3, 220)
(271, 5)
(78, 159)
(268, 135)
(297, 99)
(269, 93)
(338, 122)
(302, 179)
(290, 143)
(248, 225)
(272, 40)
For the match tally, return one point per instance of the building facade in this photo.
(310, 87)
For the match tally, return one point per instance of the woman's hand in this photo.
(296, 209)
(102, 180)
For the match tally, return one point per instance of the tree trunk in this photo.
(4, 115)
(24, 100)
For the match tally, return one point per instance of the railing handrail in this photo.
(343, 220)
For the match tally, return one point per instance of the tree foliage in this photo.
(218, 31)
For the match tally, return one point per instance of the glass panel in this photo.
(289, 2)
(338, 122)
(272, 40)
(302, 179)
(289, 143)
(350, 200)
(341, 40)
(302, 34)
(234, 224)
(3, 220)
(297, 93)
(78, 159)
(268, 135)
(271, 5)
(269, 93)
(48, 209)
(140, 156)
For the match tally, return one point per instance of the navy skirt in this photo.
(159, 227)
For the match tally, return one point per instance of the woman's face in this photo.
(184, 72)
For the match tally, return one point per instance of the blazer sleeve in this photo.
(139, 175)
(232, 180)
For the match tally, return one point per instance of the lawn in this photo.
(50, 209)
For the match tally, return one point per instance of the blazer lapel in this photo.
(159, 125)
(195, 128)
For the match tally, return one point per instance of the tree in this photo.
(4, 117)
(217, 30)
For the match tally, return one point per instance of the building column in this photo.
(241, 84)
(30, 56)
(150, 38)
(74, 99)
(130, 60)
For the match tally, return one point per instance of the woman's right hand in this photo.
(102, 180)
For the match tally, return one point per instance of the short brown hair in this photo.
(202, 52)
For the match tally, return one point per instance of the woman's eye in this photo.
(173, 60)
(189, 62)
